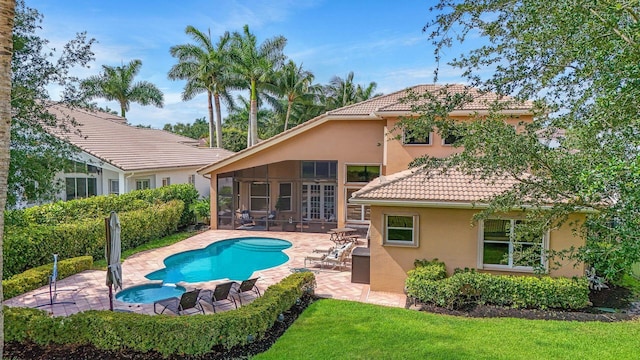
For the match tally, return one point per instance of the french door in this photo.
(319, 201)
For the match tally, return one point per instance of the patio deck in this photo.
(92, 292)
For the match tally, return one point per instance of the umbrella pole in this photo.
(108, 232)
(111, 297)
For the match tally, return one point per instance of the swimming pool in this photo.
(149, 293)
(235, 259)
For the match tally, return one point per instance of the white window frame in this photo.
(116, 183)
(85, 180)
(326, 209)
(140, 184)
(415, 231)
(363, 208)
(166, 181)
(192, 179)
(405, 143)
(510, 267)
(265, 197)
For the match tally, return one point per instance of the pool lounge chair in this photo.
(188, 303)
(222, 292)
(339, 256)
(247, 286)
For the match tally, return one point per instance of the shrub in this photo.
(31, 246)
(470, 287)
(100, 206)
(168, 335)
(39, 276)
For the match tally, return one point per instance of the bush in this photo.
(39, 276)
(31, 246)
(101, 206)
(168, 335)
(470, 287)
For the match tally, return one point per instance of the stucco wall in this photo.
(445, 234)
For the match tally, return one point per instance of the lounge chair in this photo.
(222, 292)
(187, 303)
(245, 287)
(339, 256)
(246, 218)
(270, 218)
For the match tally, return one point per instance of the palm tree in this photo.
(203, 65)
(342, 92)
(295, 85)
(254, 65)
(116, 83)
(6, 50)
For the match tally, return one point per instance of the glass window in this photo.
(142, 184)
(166, 181)
(77, 188)
(451, 139)
(401, 230)
(319, 169)
(192, 179)
(259, 197)
(415, 139)
(114, 186)
(507, 243)
(357, 212)
(362, 173)
(284, 197)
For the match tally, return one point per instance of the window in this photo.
(114, 186)
(77, 188)
(362, 173)
(142, 184)
(414, 139)
(80, 168)
(357, 212)
(166, 181)
(192, 179)
(319, 169)
(505, 244)
(259, 196)
(284, 197)
(450, 139)
(401, 230)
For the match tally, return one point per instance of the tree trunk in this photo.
(211, 131)
(216, 97)
(253, 114)
(7, 14)
(286, 118)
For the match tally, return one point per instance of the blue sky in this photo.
(380, 41)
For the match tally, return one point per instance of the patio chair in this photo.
(188, 303)
(245, 217)
(339, 257)
(247, 286)
(222, 292)
(270, 218)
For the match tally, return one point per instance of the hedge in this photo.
(168, 335)
(39, 276)
(100, 206)
(32, 246)
(471, 287)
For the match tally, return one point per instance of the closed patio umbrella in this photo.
(112, 253)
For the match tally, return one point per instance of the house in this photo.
(116, 158)
(307, 177)
(306, 174)
(417, 214)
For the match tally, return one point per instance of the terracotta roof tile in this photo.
(108, 137)
(436, 186)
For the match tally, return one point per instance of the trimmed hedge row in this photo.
(100, 206)
(37, 277)
(32, 246)
(168, 335)
(468, 286)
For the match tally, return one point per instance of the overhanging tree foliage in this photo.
(37, 156)
(580, 61)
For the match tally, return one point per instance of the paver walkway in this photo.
(92, 293)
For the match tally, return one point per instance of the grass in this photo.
(334, 329)
(155, 244)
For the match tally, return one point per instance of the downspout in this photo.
(126, 182)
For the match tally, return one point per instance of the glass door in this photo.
(318, 201)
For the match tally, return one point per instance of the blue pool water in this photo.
(235, 259)
(149, 293)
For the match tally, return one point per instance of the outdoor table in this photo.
(341, 235)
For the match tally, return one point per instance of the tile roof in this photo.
(393, 102)
(109, 138)
(419, 185)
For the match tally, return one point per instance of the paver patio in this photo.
(92, 293)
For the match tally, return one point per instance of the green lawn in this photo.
(334, 329)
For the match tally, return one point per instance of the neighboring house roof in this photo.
(129, 148)
(420, 186)
(375, 109)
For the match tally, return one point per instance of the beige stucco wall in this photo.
(445, 234)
